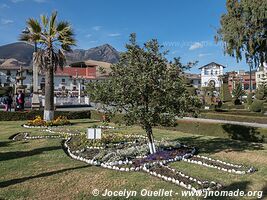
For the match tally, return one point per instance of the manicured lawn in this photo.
(40, 169)
(243, 116)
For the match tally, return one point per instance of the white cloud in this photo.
(4, 6)
(88, 35)
(16, 1)
(196, 45)
(6, 21)
(96, 28)
(114, 34)
(204, 54)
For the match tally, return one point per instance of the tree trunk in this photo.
(49, 94)
(250, 79)
(151, 143)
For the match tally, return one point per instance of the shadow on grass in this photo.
(20, 180)
(214, 145)
(21, 154)
(5, 143)
(244, 133)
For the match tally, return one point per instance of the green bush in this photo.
(256, 106)
(249, 99)
(29, 115)
(117, 119)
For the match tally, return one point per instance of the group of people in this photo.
(8, 101)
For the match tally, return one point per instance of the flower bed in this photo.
(166, 156)
(26, 136)
(179, 178)
(131, 153)
(40, 123)
(220, 165)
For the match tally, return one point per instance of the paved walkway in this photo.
(217, 121)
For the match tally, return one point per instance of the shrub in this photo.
(261, 92)
(38, 121)
(29, 115)
(256, 106)
(249, 99)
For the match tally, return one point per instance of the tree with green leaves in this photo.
(147, 88)
(261, 92)
(243, 31)
(238, 92)
(53, 38)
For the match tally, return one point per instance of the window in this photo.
(8, 73)
(63, 80)
(74, 82)
(43, 80)
(216, 72)
(74, 88)
(206, 72)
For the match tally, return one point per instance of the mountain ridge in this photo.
(22, 52)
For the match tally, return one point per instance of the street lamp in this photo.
(35, 96)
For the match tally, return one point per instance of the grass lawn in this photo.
(40, 169)
(243, 116)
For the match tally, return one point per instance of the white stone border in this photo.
(27, 126)
(250, 170)
(176, 181)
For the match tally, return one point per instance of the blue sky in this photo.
(185, 27)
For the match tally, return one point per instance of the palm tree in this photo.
(53, 39)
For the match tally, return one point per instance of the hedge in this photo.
(28, 115)
(236, 132)
(235, 117)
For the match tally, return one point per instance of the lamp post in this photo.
(35, 96)
(79, 86)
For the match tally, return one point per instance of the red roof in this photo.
(87, 73)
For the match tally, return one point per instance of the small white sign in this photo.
(206, 107)
(94, 133)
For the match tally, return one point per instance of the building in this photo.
(211, 75)
(242, 77)
(261, 75)
(194, 79)
(68, 81)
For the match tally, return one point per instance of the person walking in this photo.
(5, 102)
(21, 100)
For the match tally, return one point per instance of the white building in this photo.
(71, 80)
(210, 75)
(261, 75)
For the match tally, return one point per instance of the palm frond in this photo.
(44, 20)
(34, 26)
(52, 23)
(25, 37)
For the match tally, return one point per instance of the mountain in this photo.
(23, 52)
(105, 53)
(20, 51)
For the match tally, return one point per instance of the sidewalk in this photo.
(217, 121)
